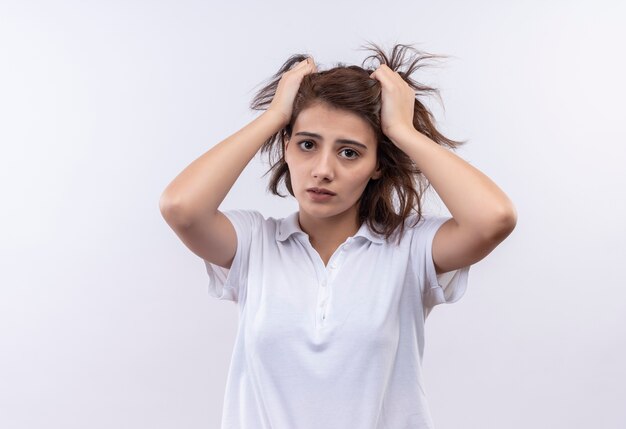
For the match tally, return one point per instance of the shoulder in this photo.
(247, 220)
(414, 229)
(247, 215)
(425, 225)
(422, 233)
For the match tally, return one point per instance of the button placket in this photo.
(323, 295)
(330, 272)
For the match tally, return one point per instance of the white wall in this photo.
(105, 320)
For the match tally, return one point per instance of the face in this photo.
(328, 160)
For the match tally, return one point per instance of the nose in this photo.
(324, 167)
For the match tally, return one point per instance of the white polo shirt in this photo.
(337, 346)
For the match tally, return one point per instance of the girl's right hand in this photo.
(288, 86)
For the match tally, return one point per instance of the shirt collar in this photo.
(290, 225)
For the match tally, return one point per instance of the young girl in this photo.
(333, 298)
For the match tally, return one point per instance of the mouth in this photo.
(320, 191)
(319, 196)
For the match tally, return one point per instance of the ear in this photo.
(377, 174)
(286, 145)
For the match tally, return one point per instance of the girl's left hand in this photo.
(398, 102)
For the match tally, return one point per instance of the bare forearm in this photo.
(473, 199)
(201, 187)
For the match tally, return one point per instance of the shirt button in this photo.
(322, 303)
(324, 283)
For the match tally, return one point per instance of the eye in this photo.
(305, 141)
(352, 154)
(356, 154)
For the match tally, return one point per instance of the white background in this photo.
(105, 319)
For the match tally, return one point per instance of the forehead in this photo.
(334, 123)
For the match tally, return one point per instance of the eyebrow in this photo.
(338, 141)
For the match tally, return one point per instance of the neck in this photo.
(329, 231)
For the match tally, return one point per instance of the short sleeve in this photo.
(229, 283)
(436, 289)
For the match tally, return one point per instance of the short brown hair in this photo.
(349, 87)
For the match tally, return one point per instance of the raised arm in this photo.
(197, 192)
(189, 204)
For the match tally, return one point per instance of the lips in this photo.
(321, 191)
